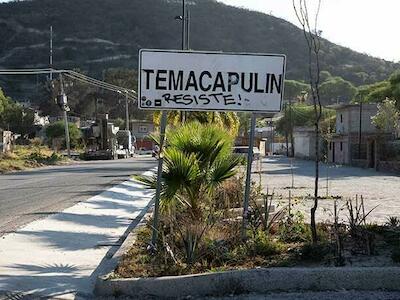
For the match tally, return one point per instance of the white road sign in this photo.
(210, 81)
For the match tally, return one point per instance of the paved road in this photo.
(378, 189)
(343, 295)
(30, 195)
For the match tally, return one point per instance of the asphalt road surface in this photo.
(30, 195)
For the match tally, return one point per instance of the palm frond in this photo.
(223, 169)
(148, 181)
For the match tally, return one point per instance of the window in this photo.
(341, 118)
(330, 145)
(143, 129)
(341, 146)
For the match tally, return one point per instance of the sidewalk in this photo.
(60, 256)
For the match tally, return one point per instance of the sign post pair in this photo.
(211, 81)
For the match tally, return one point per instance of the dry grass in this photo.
(28, 157)
(221, 251)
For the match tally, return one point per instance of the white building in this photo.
(354, 142)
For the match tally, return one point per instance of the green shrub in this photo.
(314, 252)
(294, 230)
(237, 254)
(57, 130)
(42, 158)
(263, 245)
(55, 158)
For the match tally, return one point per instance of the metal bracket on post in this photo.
(248, 175)
(154, 236)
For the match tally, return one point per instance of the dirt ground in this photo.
(378, 189)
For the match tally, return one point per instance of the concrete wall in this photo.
(304, 142)
(141, 129)
(339, 150)
(348, 119)
(5, 141)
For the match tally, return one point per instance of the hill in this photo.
(94, 35)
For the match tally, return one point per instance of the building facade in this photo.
(142, 129)
(304, 142)
(355, 139)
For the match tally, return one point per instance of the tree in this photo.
(337, 89)
(295, 90)
(15, 117)
(227, 120)
(394, 80)
(388, 116)
(120, 123)
(325, 75)
(126, 78)
(378, 91)
(3, 101)
(57, 130)
(303, 115)
(313, 38)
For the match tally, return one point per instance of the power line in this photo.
(73, 75)
(101, 84)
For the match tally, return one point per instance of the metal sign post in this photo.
(248, 175)
(163, 125)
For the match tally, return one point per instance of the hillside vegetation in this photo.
(94, 35)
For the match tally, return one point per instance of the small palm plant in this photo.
(197, 159)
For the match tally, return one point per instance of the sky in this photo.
(367, 26)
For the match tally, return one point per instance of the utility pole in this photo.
(184, 25)
(51, 53)
(62, 101)
(187, 29)
(126, 110)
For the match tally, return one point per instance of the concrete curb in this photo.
(253, 281)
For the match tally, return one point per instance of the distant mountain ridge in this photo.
(94, 35)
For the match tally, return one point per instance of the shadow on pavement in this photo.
(71, 237)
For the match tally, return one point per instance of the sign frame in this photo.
(213, 53)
